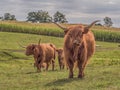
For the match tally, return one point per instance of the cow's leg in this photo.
(70, 65)
(81, 67)
(37, 64)
(53, 64)
(59, 63)
(38, 68)
(47, 65)
(63, 66)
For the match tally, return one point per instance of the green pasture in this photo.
(17, 71)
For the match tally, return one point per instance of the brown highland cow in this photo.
(79, 46)
(44, 54)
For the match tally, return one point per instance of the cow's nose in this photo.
(76, 42)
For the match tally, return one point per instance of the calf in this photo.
(61, 58)
(43, 54)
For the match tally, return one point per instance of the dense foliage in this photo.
(59, 17)
(39, 16)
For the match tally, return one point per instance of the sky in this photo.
(76, 11)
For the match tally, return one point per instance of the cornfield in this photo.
(50, 29)
(104, 35)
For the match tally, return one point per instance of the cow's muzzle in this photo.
(76, 42)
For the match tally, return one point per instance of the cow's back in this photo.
(48, 51)
(90, 43)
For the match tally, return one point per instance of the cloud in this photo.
(75, 10)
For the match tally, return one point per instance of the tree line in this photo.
(41, 16)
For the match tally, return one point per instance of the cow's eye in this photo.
(70, 35)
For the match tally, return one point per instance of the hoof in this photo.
(38, 71)
(71, 76)
(80, 76)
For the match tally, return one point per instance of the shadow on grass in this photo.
(13, 50)
(43, 70)
(35, 72)
(11, 56)
(61, 82)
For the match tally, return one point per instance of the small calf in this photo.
(43, 54)
(61, 58)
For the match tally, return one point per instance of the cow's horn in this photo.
(21, 45)
(92, 24)
(62, 27)
(39, 41)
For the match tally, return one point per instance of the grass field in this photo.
(17, 71)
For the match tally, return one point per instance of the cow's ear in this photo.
(33, 47)
(85, 30)
(65, 31)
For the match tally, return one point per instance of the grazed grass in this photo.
(17, 71)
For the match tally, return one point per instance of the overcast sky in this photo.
(76, 11)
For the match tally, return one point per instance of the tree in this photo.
(98, 24)
(43, 16)
(59, 17)
(32, 17)
(1, 18)
(8, 16)
(13, 17)
(108, 22)
(39, 16)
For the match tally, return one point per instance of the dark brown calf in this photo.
(61, 58)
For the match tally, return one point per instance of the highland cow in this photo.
(44, 54)
(79, 46)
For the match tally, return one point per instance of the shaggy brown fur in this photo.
(43, 53)
(79, 46)
(61, 58)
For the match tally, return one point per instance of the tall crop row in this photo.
(40, 29)
(53, 30)
(110, 36)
